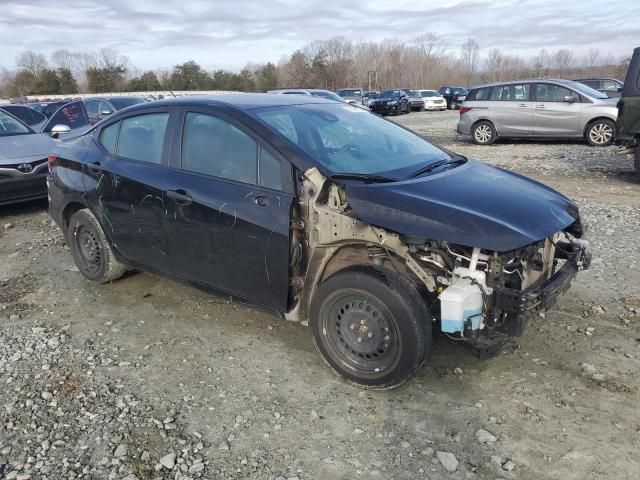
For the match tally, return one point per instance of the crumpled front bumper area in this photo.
(542, 297)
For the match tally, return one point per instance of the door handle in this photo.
(540, 106)
(95, 167)
(523, 105)
(261, 201)
(180, 196)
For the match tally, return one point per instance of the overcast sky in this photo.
(228, 34)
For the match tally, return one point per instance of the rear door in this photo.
(124, 183)
(228, 209)
(552, 115)
(510, 109)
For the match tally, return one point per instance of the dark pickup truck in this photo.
(628, 123)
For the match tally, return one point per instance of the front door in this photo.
(510, 109)
(72, 114)
(125, 181)
(553, 116)
(228, 210)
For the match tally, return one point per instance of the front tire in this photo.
(371, 326)
(484, 133)
(601, 133)
(91, 250)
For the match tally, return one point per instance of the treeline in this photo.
(426, 62)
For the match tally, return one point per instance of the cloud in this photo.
(230, 34)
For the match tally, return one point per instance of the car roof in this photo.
(241, 101)
(524, 80)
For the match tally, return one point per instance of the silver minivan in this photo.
(542, 108)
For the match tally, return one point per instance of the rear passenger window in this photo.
(213, 146)
(480, 94)
(109, 137)
(142, 137)
(270, 173)
(511, 93)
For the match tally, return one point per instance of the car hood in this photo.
(475, 205)
(25, 147)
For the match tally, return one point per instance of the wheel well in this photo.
(484, 120)
(69, 210)
(591, 122)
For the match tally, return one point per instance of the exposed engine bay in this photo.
(474, 295)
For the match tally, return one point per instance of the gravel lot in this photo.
(145, 378)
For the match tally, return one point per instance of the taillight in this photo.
(464, 110)
(50, 159)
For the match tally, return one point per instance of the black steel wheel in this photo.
(91, 250)
(371, 326)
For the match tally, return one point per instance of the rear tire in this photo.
(371, 326)
(484, 133)
(91, 250)
(601, 133)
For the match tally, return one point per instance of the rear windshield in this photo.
(125, 102)
(413, 93)
(350, 93)
(429, 93)
(25, 114)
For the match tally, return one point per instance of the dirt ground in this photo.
(248, 396)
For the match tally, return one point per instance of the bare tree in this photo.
(32, 62)
(495, 63)
(562, 62)
(63, 59)
(591, 59)
(469, 58)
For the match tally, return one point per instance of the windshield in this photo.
(120, 103)
(390, 94)
(429, 93)
(585, 90)
(460, 91)
(347, 139)
(350, 93)
(413, 93)
(327, 94)
(10, 126)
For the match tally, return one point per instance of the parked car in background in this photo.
(391, 102)
(26, 115)
(324, 212)
(628, 122)
(538, 108)
(609, 86)
(101, 107)
(23, 161)
(415, 99)
(316, 92)
(368, 96)
(454, 96)
(433, 100)
(48, 108)
(351, 95)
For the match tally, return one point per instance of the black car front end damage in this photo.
(510, 286)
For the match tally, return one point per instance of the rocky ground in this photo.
(145, 378)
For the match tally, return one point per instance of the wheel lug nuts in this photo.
(359, 340)
(386, 338)
(352, 327)
(362, 321)
(370, 335)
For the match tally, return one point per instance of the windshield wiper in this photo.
(365, 177)
(441, 163)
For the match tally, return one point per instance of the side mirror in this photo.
(571, 99)
(105, 112)
(59, 129)
(619, 89)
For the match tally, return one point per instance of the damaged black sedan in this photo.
(322, 211)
